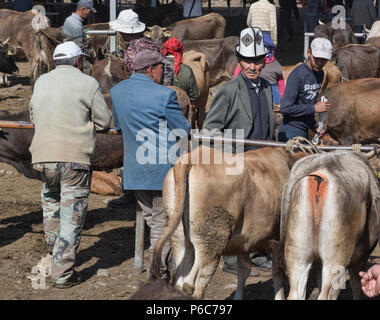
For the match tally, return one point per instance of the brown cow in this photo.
(353, 117)
(357, 61)
(338, 37)
(23, 29)
(332, 74)
(220, 55)
(198, 63)
(330, 218)
(231, 208)
(209, 26)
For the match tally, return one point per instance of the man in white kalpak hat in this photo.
(245, 103)
(128, 25)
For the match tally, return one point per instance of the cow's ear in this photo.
(148, 34)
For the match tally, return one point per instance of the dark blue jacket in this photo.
(300, 96)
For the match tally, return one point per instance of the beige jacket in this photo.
(66, 108)
(262, 14)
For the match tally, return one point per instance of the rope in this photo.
(299, 144)
(106, 47)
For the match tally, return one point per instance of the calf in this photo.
(330, 216)
(213, 214)
(7, 63)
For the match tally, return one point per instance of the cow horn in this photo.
(4, 43)
(320, 22)
(365, 29)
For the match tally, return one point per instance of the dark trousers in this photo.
(285, 22)
(287, 132)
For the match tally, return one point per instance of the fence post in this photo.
(139, 240)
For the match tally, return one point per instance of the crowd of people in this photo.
(142, 103)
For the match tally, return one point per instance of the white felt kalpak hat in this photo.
(251, 43)
(127, 22)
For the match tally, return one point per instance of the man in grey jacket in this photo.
(66, 108)
(73, 31)
(245, 103)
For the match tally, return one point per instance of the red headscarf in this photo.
(174, 47)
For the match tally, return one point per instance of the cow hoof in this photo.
(187, 289)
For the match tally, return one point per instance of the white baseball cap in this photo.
(67, 50)
(321, 48)
(251, 43)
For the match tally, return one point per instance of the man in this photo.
(146, 112)
(363, 13)
(22, 5)
(183, 75)
(245, 103)
(262, 14)
(73, 31)
(66, 108)
(314, 11)
(130, 28)
(299, 103)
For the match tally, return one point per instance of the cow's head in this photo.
(39, 21)
(7, 63)
(158, 34)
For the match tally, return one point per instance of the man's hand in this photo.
(321, 133)
(371, 281)
(322, 106)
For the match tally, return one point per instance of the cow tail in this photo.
(180, 172)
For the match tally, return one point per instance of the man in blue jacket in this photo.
(147, 113)
(299, 103)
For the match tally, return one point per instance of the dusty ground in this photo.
(108, 235)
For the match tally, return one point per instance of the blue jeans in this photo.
(287, 132)
(276, 94)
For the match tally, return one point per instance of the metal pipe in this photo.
(112, 18)
(274, 144)
(109, 32)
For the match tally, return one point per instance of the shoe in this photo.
(266, 266)
(227, 269)
(71, 282)
(124, 201)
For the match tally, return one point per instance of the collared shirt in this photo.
(257, 86)
(73, 26)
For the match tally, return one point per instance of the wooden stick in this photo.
(29, 125)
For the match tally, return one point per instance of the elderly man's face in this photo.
(84, 12)
(252, 68)
(156, 72)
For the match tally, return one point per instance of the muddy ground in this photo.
(108, 235)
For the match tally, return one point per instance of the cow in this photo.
(358, 61)
(209, 26)
(7, 63)
(231, 208)
(330, 218)
(108, 155)
(23, 29)
(339, 37)
(332, 74)
(354, 109)
(373, 41)
(198, 63)
(375, 30)
(220, 55)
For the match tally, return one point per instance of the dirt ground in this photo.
(108, 235)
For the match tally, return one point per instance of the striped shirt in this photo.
(262, 14)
